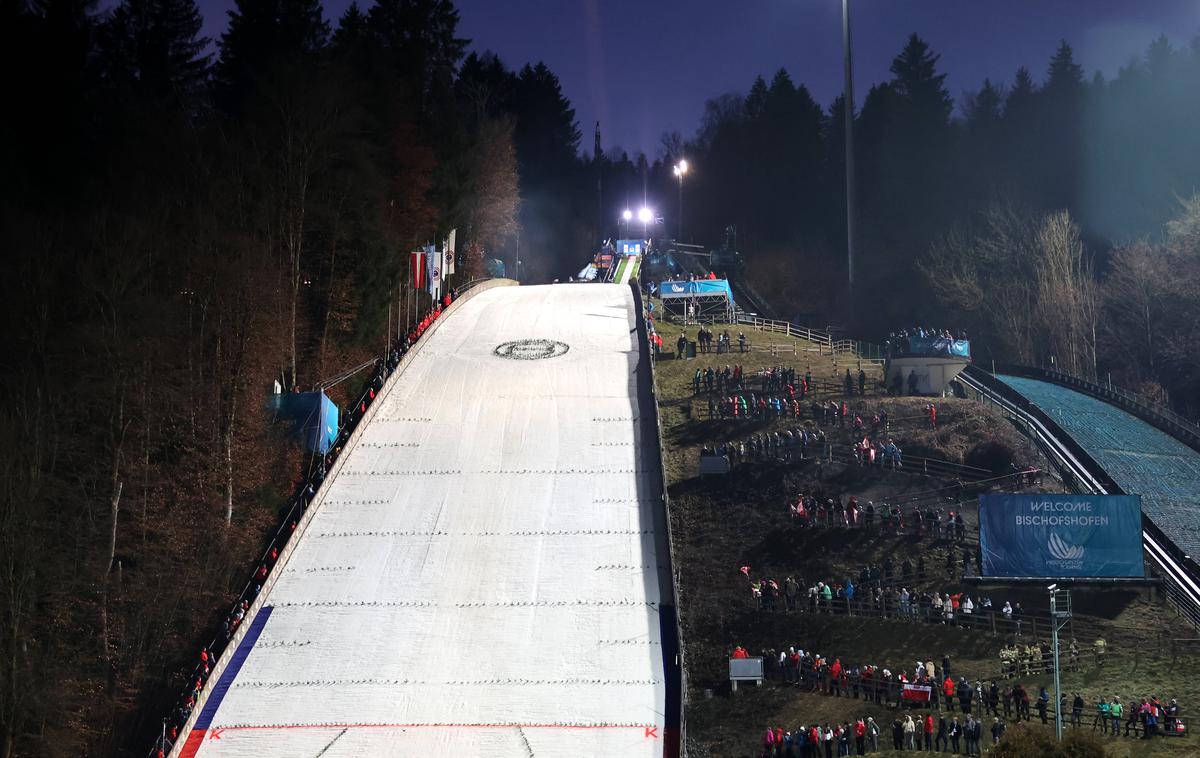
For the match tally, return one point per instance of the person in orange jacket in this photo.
(929, 731)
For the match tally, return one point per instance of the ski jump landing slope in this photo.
(481, 577)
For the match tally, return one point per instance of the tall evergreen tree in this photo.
(756, 99)
(265, 37)
(155, 48)
(920, 87)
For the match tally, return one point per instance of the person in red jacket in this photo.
(929, 731)
(948, 689)
(860, 736)
(740, 652)
(835, 677)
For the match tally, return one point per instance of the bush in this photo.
(1023, 742)
(993, 455)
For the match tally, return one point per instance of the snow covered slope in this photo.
(480, 578)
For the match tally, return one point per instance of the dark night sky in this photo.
(643, 68)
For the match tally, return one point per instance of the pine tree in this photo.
(418, 37)
(1065, 75)
(757, 98)
(984, 108)
(154, 47)
(547, 136)
(265, 37)
(1021, 94)
(916, 81)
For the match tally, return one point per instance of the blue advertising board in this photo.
(1053, 535)
(630, 247)
(670, 289)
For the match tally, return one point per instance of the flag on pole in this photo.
(434, 263)
(450, 253)
(418, 270)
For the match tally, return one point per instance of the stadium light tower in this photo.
(848, 108)
(681, 168)
(645, 215)
(1060, 616)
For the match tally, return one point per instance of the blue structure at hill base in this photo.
(316, 418)
(1140, 458)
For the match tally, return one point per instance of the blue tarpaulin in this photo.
(316, 418)
(1054, 535)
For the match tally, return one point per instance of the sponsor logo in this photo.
(531, 350)
(1064, 551)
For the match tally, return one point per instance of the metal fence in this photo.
(673, 570)
(1031, 625)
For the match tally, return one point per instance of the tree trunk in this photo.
(114, 510)
(229, 457)
(145, 452)
(329, 292)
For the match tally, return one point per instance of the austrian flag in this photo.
(418, 269)
(916, 693)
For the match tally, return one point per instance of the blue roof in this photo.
(1140, 458)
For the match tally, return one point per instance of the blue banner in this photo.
(630, 247)
(698, 287)
(938, 346)
(1053, 535)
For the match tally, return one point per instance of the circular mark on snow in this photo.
(531, 350)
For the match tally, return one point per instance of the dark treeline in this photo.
(1050, 216)
(185, 221)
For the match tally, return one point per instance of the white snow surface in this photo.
(480, 577)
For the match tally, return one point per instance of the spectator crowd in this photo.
(924, 689)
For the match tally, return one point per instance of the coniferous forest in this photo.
(186, 221)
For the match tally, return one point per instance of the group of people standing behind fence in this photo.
(1151, 716)
(709, 342)
(931, 522)
(796, 443)
(924, 686)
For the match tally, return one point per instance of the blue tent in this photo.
(316, 418)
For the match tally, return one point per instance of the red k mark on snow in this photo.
(651, 732)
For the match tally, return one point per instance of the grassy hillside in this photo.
(722, 523)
